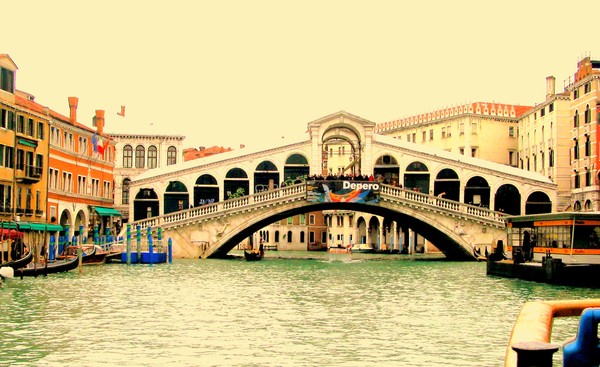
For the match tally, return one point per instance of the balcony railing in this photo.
(29, 174)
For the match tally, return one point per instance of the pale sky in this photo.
(233, 72)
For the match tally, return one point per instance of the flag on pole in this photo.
(95, 142)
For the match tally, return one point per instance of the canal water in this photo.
(291, 309)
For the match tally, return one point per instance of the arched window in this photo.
(127, 156)
(152, 157)
(171, 155)
(125, 190)
(289, 236)
(140, 156)
(588, 114)
(576, 119)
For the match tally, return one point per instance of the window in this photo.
(576, 119)
(575, 93)
(66, 182)
(588, 114)
(587, 87)
(171, 156)
(473, 152)
(431, 134)
(473, 128)
(588, 146)
(424, 136)
(125, 191)
(81, 184)
(30, 127)
(3, 118)
(20, 160)
(152, 156)
(311, 220)
(290, 220)
(542, 112)
(461, 128)
(289, 236)
(140, 156)
(576, 182)
(576, 149)
(53, 178)
(302, 219)
(28, 198)
(127, 156)
(551, 107)
(106, 190)
(443, 132)
(95, 187)
(449, 131)
(21, 124)
(41, 131)
(551, 158)
(588, 178)
(38, 201)
(7, 80)
(9, 157)
(511, 131)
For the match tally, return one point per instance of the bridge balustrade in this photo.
(294, 191)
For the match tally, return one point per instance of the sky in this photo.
(235, 72)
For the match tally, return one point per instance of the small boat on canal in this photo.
(252, 256)
(556, 248)
(340, 249)
(50, 267)
(91, 255)
(18, 263)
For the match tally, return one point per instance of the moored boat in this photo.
(340, 250)
(50, 267)
(18, 263)
(362, 249)
(91, 254)
(557, 248)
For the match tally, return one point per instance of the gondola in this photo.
(51, 267)
(91, 254)
(252, 256)
(19, 263)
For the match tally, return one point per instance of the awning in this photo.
(27, 143)
(45, 227)
(32, 226)
(107, 212)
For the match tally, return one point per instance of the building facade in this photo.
(137, 153)
(584, 93)
(23, 153)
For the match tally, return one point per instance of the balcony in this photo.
(30, 174)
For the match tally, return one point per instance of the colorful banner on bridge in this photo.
(366, 192)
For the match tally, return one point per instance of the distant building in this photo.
(584, 114)
(137, 153)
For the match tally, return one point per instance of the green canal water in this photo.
(287, 310)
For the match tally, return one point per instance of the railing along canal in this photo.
(298, 191)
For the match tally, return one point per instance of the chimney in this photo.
(550, 86)
(73, 101)
(100, 121)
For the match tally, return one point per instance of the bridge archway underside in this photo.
(455, 228)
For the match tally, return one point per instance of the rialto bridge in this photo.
(209, 205)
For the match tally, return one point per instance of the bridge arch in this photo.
(296, 166)
(447, 184)
(448, 239)
(176, 197)
(266, 176)
(387, 167)
(236, 183)
(416, 177)
(508, 200)
(477, 192)
(206, 190)
(538, 202)
(145, 204)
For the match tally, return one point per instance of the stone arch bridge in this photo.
(215, 229)
(457, 202)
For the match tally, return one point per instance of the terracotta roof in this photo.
(36, 107)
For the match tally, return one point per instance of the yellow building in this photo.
(466, 129)
(584, 114)
(23, 153)
(545, 140)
